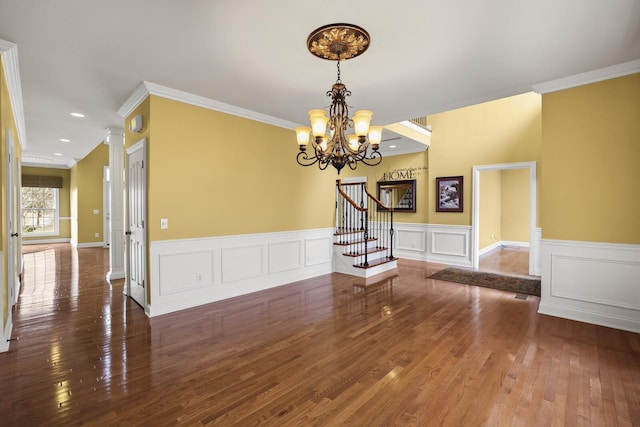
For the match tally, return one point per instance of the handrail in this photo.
(376, 201)
(349, 199)
(358, 216)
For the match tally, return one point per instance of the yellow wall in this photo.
(514, 212)
(591, 178)
(490, 208)
(504, 131)
(64, 200)
(90, 193)
(213, 174)
(504, 206)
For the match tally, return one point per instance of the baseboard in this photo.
(593, 317)
(489, 249)
(591, 282)
(90, 245)
(6, 336)
(45, 241)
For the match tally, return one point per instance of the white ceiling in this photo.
(426, 56)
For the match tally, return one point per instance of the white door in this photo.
(136, 213)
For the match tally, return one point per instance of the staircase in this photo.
(363, 238)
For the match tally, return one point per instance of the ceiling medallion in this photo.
(329, 137)
(338, 42)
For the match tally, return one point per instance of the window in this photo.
(39, 211)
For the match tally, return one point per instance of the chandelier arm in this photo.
(303, 159)
(374, 160)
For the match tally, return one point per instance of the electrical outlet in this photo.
(198, 278)
(96, 212)
(164, 223)
(97, 234)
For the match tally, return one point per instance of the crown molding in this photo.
(9, 52)
(147, 88)
(137, 96)
(594, 76)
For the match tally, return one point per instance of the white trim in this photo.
(90, 245)
(475, 210)
(6, 335)
(591, 282)
(186, 273)
(9, 52)
(442, 244)
(594, 76)
(8, 327)
(45, 241)
(147, 88)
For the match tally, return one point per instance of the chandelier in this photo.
(339, 42)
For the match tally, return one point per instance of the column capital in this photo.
(114, 134)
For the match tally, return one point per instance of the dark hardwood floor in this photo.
(328, 351)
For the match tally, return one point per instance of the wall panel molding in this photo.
(186, 273)
(591, 282)
(444, 244)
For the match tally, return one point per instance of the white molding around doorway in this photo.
(534, 267)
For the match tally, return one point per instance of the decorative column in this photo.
(115, 140)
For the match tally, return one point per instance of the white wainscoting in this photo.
(6, 328)
(190, 272)
(596, 283)
(444, 244)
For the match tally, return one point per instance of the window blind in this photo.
(42, 181)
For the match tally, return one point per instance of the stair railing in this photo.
(358, 211)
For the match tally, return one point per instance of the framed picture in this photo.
(449, 194)
(399, 195)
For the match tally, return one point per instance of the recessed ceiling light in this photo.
(392, 146)
(64, 140)
(77, 115)
(57, 154)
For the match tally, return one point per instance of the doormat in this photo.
(520, 285)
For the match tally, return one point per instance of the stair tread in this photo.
(371, 239)
(376, 262)
(369, 251)
(347, 231)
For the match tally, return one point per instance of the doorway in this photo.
(475, 215)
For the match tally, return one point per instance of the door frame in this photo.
(140, 145)
(475, 211)
(13, 285)
(106, 206)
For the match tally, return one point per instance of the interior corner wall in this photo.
(64, 202)
(514, 209)
(490, 231)
(503, 131)
(90, 190)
